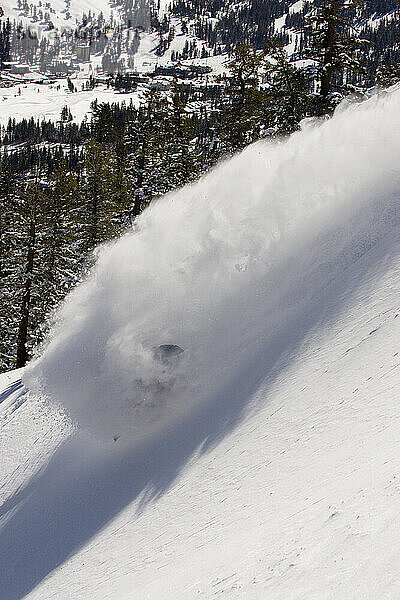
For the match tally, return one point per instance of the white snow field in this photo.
(58, 12)
(265, 464)
(47, 101)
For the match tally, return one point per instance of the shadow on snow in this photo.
(87, 483)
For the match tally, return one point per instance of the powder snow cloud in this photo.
(218, 268)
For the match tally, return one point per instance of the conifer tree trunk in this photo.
(329, 49)
(2, 248)
(23, 327)
(22, 353)
(137, 205)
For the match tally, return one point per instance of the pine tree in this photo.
(61, 263)
(20, 269)
(162, 153)
(71, 86)
(66, 116)
(8, 247)
(333, 43)
(7, 187)
(388, 72)
(5, 42)
(31, 217)
(288, 98)
(102, 199)
(184, 157)
(242, 105)
(148, 139)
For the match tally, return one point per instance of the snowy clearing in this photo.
(47, 101)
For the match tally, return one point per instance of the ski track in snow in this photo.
(281, 484)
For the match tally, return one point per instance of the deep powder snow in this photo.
(219, 268)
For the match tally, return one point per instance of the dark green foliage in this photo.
(388, 74)
(242, 108)
(288, 98)
(5, 42)
(71, 86)
(38, 259)
(332, 40)
(58, 203)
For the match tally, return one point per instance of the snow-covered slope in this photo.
(58, 13)
(279, 275)
(47, 101)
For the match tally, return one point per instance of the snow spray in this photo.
(217, 267)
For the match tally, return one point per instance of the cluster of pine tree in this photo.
(54, 213)
(5, 29)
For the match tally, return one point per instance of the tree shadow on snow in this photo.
(86, 483)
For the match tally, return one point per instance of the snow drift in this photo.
(218, 268)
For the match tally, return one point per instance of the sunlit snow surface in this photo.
(268, 466)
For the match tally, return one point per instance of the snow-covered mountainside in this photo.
(63, 13)
(262, 464)
(136, 37)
